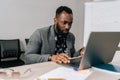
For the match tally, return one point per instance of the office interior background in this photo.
(20, 18)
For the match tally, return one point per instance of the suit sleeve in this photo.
(73, 51)
(33, 49)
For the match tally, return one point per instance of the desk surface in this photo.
(42, 68)
(36, 70)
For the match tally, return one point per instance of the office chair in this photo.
(26, 40)
(10, 49)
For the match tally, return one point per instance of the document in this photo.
(65, 73)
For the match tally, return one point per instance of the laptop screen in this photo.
(100, 49)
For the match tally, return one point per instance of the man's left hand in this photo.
(82, 51)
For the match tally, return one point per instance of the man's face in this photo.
(63, 23)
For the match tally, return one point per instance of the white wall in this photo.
(101, 16)
(81, 8)
(20, 18)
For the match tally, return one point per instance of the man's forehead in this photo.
(66, 17)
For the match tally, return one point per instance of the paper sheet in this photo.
(66, 73)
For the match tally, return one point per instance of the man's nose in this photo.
(67, 26)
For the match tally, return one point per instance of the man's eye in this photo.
(70, 23)
(65, 22)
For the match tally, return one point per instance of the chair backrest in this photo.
(0, 51)
(26, 40)
(10, 48)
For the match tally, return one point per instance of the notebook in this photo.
(100, 49)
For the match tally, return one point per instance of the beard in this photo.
(59, 31)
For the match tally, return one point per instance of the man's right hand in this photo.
(61, 58)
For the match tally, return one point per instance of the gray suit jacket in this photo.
(42, 44)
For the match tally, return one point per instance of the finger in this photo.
(80, 56)
(82, 51)
(58, 60)
(64, 59)
(65, 55)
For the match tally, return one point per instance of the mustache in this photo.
(67, 29)
(60, 31)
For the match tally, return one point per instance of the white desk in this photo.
(36, 70)
(42, 68)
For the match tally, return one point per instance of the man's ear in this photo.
(55, 21)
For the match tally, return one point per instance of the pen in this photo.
(74, 57)
(75, 68)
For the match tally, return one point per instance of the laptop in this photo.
(100, 49)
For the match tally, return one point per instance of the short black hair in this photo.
(63, 8)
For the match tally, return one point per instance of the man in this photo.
(54, 43)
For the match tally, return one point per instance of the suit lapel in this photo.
(52, 39)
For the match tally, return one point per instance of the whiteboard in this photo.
(101, 17)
